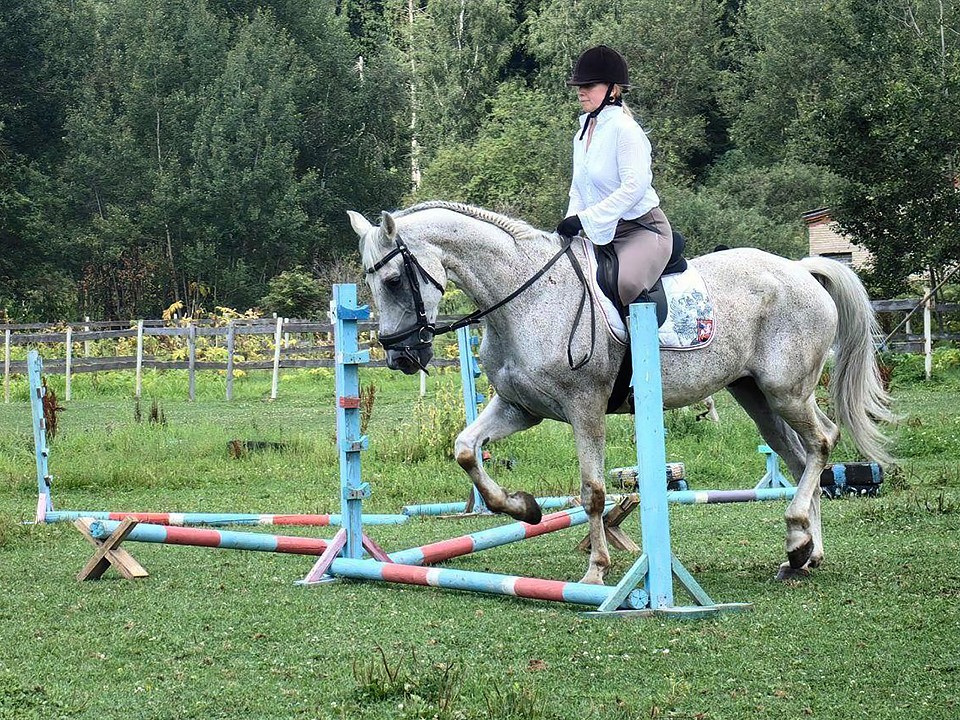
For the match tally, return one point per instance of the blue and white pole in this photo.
(469, 372)
(42, 452)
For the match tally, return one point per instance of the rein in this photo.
(425, 330)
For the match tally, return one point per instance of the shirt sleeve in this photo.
(576, 202)
(636, 176)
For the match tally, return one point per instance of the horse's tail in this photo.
(859, 400)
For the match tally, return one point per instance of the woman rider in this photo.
(612, 199)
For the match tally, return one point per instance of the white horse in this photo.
(775, 323)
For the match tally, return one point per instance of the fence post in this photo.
(86, 343)
(276, 358)
(192, 350)
(68, 360)
(231, 329)
(139, 382)
(927, 340)
(6, 365)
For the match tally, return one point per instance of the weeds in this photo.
(368, 398)
(156, 416)
(407, 677)
(435, 426)
(515, 702)
(684, 423)
(940, 506)
(51, 408)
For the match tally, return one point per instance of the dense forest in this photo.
(205, 151)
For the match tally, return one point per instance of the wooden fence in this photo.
(288, 348)
(317, 351)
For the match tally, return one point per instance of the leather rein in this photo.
(421, 334)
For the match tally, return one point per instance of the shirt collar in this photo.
(605, 115)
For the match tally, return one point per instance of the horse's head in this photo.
(406, 281)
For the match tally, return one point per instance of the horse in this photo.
(776, 321)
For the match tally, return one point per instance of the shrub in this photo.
(294, 293)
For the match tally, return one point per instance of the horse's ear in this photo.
(361, 226)
(388, 228)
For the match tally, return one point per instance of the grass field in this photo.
(225, 634)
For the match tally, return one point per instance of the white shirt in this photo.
(613, 179)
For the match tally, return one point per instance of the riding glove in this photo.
(570, 226)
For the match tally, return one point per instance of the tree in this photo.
(518, 164)
(868, 89)
(38, 46)
(294, 293)
(459, 49)
(673, 52)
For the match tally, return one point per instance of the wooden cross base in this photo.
(611, 527)
(109, 552)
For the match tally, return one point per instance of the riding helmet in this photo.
(600, 64)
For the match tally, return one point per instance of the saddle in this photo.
(608, 270)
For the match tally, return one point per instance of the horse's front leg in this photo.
(497, 420)
(589, 431)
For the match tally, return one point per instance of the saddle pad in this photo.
(689, 324)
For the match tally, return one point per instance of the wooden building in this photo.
(824, 239)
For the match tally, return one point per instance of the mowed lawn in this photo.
(875, 633)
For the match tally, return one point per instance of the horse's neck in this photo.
(488, 264)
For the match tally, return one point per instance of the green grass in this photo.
(222, 634)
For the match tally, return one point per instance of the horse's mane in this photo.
(517, 229)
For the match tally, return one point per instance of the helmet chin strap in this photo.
(608, 99)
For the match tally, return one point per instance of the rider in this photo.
(612, 199)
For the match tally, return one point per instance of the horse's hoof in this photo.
(787, 573)
(531, 512)
(592, 578)
(799, 557)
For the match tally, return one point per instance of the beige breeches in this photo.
(642, 253)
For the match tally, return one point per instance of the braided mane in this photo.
(517, 229)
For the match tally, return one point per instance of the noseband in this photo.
(424, 331)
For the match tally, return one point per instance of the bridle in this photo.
(421, 334)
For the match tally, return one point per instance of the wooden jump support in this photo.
(108, 552)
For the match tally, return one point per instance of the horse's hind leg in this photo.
(804, 542)
(775, 432)
(819, 435)
(497, 420)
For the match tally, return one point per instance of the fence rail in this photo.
(317, 352)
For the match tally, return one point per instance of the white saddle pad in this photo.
(689, 324)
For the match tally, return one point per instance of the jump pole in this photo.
(205, 537)
(469, 372)
(678, 497)
(656, 567)
(41, 451)
(145, 532)
(190, 519)
(342, 559)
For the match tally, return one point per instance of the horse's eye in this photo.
(393, 282)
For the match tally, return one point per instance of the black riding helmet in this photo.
(600, 64)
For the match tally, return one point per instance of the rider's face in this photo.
(590, 96)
